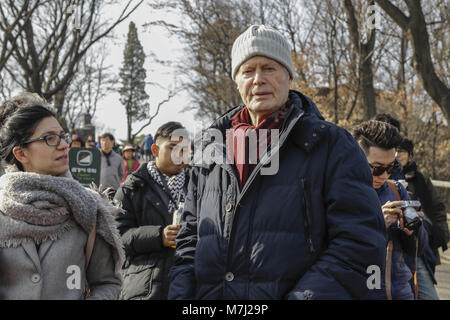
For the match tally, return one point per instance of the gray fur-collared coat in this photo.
(44, 226)
(51, 272)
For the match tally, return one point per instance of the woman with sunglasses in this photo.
(58, 240)
(379, 141)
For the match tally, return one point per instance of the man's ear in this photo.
(155, 149)
(20, 154)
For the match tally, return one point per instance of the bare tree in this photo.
(48, 46)
(10, 30)
(364, 51)
(416, 28)
(92, 82)
(207, 30)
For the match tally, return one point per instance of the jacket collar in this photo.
(382, 188)
(410, 169)
(142, 174)
(311, 127)
(142, 177)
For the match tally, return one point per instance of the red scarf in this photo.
(241, 125)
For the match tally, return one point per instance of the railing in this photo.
(442, 184)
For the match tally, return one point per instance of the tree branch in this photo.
(169, 97)
(395, 13)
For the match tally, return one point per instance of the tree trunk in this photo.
(423, 63)
(365, 53)
(401, 85)
(129, 129)
(58, 104)
(336, 96)
(433, 162)
(416, 29)
(366, 74)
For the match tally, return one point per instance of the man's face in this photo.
(171, 156)
(380, 157)
(106, 144)
(263, 84)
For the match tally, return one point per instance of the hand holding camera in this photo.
(407, 213)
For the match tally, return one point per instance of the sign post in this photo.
(85, 165)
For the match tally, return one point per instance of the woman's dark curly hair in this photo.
(17, 124)
(379, 134)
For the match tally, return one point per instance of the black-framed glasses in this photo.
(379, 170)
(52, 140)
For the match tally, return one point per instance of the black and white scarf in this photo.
(175, 184)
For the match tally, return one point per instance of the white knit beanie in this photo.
(259, 40)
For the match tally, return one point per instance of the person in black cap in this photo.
(421, 188)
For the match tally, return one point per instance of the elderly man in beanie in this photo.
(420, 187)
(310, 230)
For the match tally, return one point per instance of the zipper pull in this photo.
(311, 246)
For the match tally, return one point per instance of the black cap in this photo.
(407, 145)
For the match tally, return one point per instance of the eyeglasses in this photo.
(52, 140)
(379, 170)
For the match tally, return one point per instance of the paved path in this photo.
(443, 276)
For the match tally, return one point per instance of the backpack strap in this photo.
(394, 189)
(89, 248)
(387, 279)
(90, 243)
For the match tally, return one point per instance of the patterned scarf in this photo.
(175, 184)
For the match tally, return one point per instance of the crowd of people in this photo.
(117, 162)
(207, 219)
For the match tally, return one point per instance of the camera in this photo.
(411, 218)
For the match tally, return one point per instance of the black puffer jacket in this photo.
(420, 187)
(141, 226)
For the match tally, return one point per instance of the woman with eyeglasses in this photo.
(58, 240)
(379, 141)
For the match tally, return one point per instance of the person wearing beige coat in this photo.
(47, 217)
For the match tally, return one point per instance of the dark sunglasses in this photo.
(379, 170)
(52, 140)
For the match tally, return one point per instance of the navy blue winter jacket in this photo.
(402, 245)
(310, 231)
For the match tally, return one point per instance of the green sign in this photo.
(85, 165)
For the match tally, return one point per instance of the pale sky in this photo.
(111, 113)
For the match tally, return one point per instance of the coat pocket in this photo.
(138, 280)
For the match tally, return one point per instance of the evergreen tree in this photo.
(133, 75)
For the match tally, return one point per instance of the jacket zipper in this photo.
(246, 186)
(307, 220)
